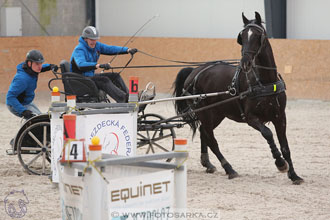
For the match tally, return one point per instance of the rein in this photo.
(233, 62)
(242, 95)
(154, 66)
(264, 67)
(191, 62)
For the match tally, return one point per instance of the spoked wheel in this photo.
(154, 138)
(34, 150)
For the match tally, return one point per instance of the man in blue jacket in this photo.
(84, 60)
(21, 90)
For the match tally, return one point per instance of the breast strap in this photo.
(267, 89)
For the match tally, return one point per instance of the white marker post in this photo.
(71, 102)
(56, 96)
(56, 130)
(133, 89)
(180, 176)
(94, 185)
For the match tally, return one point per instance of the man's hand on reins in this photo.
(105, 66)
(132, 50)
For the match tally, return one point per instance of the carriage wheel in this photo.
(34, 150)
(154, 139)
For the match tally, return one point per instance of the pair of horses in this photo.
(257, 92)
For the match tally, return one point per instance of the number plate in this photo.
(74, 151)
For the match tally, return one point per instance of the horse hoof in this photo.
(211, 169)
(232, 175)
(282, 165)
(297, 182)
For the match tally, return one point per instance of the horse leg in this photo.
(208, 137)
(205, 161)
(280, 127)
(268, 135)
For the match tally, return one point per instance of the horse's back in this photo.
(211, 78)
(216, 79)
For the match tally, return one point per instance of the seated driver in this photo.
(84, 60)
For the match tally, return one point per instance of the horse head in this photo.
(252, 38)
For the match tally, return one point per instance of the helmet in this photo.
(34, 56)
(91, 33)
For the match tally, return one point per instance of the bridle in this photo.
(259, 89)
(252, 54)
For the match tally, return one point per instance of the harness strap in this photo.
(241, 95)
(193, 82)
(200, 72)
(256, 77)
(234, 87)
(265, 67)
(267, 89)
(241, 110)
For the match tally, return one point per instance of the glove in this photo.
(54, 67)
(105, 66)
(132, 50)
(27, 114)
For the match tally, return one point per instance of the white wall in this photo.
(11, 21)
(177, 18)
(59, 18)
(308, 19)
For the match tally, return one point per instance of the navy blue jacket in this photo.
(21, 89)
(84, 58)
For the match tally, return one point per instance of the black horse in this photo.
(256, 94)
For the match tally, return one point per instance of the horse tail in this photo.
(182, 106)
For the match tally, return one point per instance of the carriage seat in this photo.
(83, 87)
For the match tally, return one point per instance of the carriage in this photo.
(32, 143)
(251, 91)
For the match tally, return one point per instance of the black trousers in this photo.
(113, 85)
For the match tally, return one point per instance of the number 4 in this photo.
(74, 151)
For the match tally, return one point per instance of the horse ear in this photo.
(245, 20)
(258, 17)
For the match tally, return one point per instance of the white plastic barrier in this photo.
(134, 187)
(115, 124)
(113, 187)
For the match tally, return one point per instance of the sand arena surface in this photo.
(260, 192)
